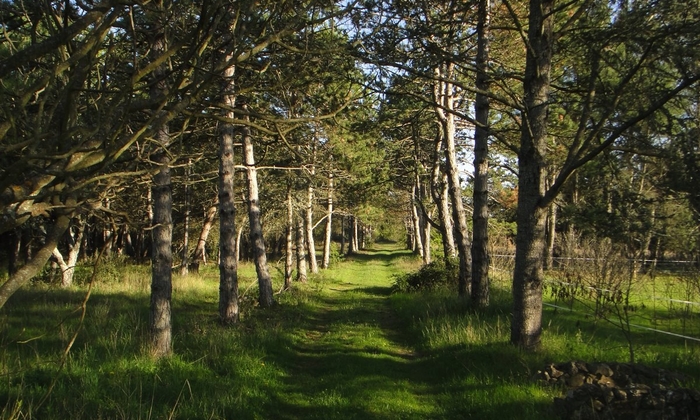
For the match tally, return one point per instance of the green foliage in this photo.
(433, 276)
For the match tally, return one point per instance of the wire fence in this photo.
(681, 315)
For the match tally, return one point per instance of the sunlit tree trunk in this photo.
(75, 240)
(329, 225)
(309, 220)
(256, 232)
(184, 262)
(289, 257)
(200, 251)
(302, 274)
(446, 98)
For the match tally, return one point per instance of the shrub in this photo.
(429, 277)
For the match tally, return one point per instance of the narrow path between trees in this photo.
(353, 357)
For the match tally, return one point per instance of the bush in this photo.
(430, 277)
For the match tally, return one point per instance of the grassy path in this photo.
(352, 358)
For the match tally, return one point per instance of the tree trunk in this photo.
(228, 264)
(342, 234)
(74, 243)
(480, 217)
(416, 219)
(162, 227)
(289, 258)
(445, 96)
(266, 298)
(310, 243)
(162, 256)
(184, 262)
(329, 226)
(551, 236)
(302, 274)
(526, 325)
(200, 251)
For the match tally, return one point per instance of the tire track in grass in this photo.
(352, 360)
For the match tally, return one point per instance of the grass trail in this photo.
(352, 358)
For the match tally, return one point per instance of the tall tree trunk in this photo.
(162, 227)
(309, 223)
(526, 324)
(342, 234)
(551, 235)
(329, 226)
(257, 239)
(446, 97)
(302, 274)
(480, 217)
(229, 312)
(200, 252)
(416, 218)
(289, 257)
(184, 262)
(162, 255)
(354, 240)
(440, 195)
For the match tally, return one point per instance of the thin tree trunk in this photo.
(302, 274)
(526, 324)
(551, 236)
(329, 226)
(184, 262)
(200, 251)
(445, 96)
(418, 236)
(310, 243)
(229, 312)
(440, 195)
(289, 258)
(257, 239)
(480, 217)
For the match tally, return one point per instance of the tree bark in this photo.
(526, 324)
(162, 256)
(415, 218)
(74, 243)
(309, 221)
(480, 217)
(329, 226)
(302, 274)
(162, 227)
(184, 262)
(200, 252)
(257, 239)
(228, 264)
(445, 97)
(289, 257)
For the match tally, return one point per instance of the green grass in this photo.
(340, 347)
